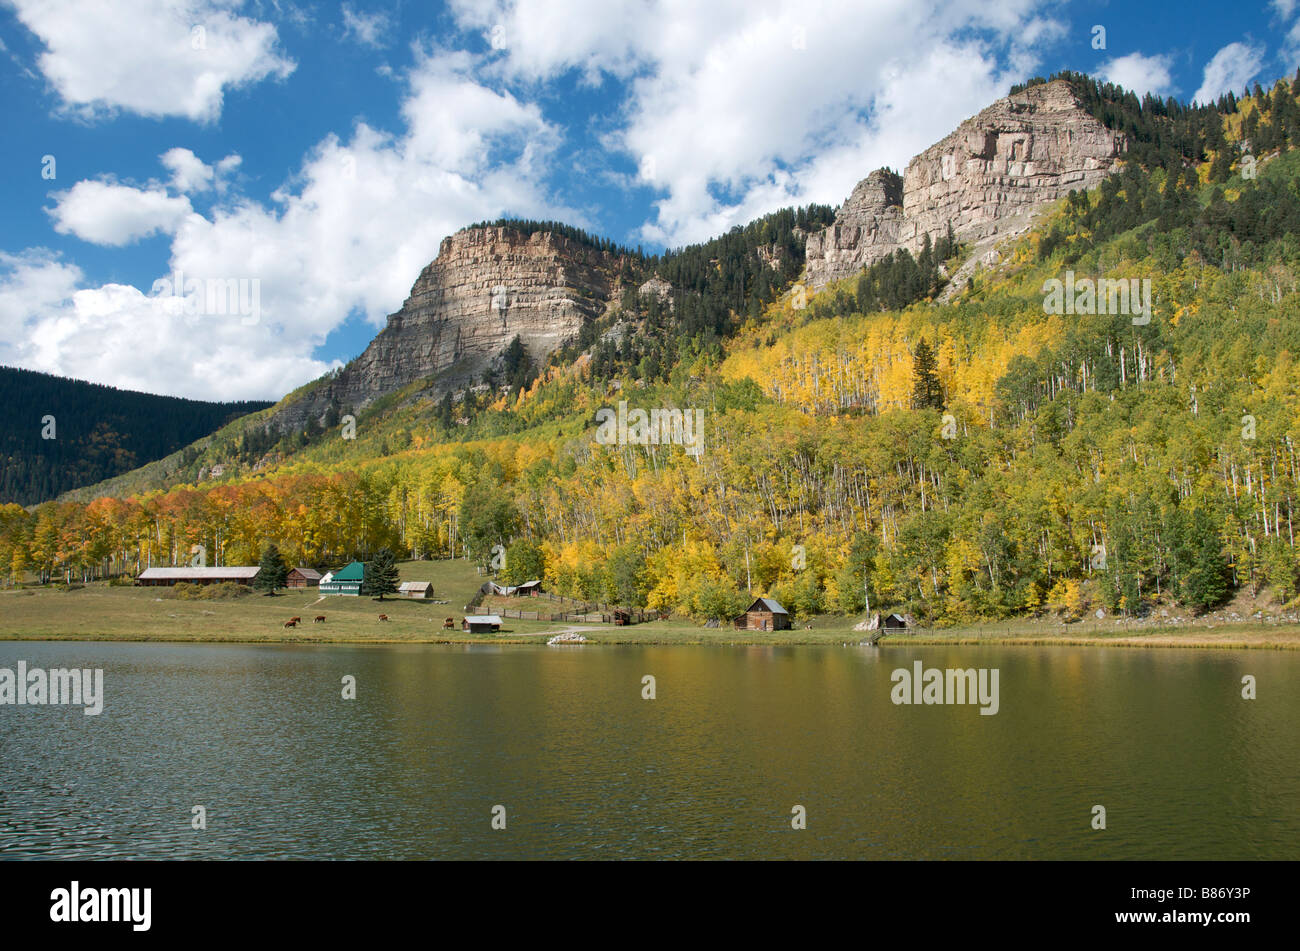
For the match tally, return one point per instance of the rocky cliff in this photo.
(987, 179)
(486, 286)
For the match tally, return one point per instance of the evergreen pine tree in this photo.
(380, 577)
(274, 571)
(927, 393)
(1205, 583)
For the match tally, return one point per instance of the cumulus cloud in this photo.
(740, 106)
(347, 234)
(1139, 74)
(367, 29)
(190, 174)
(118, 335)
(111, 214)
(1231, 69)
(152, 57)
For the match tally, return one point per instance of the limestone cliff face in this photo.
(486, 286)
(988, 179)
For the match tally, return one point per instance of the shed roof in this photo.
(483, 619)
(766, 604)
(205, 574)
(309, 573)
(415, 586)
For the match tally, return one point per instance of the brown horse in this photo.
(320, 619)
(295, 620)
(290, 623)
(383, 617)
(449, 624)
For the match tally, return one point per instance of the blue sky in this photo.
(313, 156)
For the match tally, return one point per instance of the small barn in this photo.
(481, 624)
(166, 577)
(893, 622)
(765, 614)
(302, 578)
(347, 580)
(529, 589)
(415, 589)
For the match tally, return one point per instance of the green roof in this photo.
(353, 572)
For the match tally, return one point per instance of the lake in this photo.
(584, 767)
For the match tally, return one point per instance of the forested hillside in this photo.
(1045, 459)
(65, 433)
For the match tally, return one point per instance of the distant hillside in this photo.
(1103, 416)
(98, 431)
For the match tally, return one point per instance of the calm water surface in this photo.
(585, 768)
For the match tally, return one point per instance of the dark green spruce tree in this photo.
(274, 571)
(380, 576)
(927, 393)
(1204, 583)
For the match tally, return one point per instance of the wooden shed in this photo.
(529, 589)
(765, 614)
(481, 624)
(302, 578)
(415, 589)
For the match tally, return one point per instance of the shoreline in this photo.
(107, 613)
(606, 637)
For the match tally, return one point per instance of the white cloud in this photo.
(348, 234)
(1230, 70)
(32, 282)
(189, 172)
(117, 335)
(191, 175)
(110, 214)
(368, 29)
(152, 57)
(1139, 74)
(739, 106)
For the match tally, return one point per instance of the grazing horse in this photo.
(320, 619)
(383, 617)
(449, 624)
(295, 619)
(290, 623)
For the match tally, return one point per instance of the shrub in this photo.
(221, 591)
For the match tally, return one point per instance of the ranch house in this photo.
(347, 580)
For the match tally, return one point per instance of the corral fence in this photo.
(587, 617)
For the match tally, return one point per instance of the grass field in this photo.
(104, 612)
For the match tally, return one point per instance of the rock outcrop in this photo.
(987, 179)
(486, 286)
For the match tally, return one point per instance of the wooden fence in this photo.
(586, 617)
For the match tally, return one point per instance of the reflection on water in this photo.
(585, 768)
